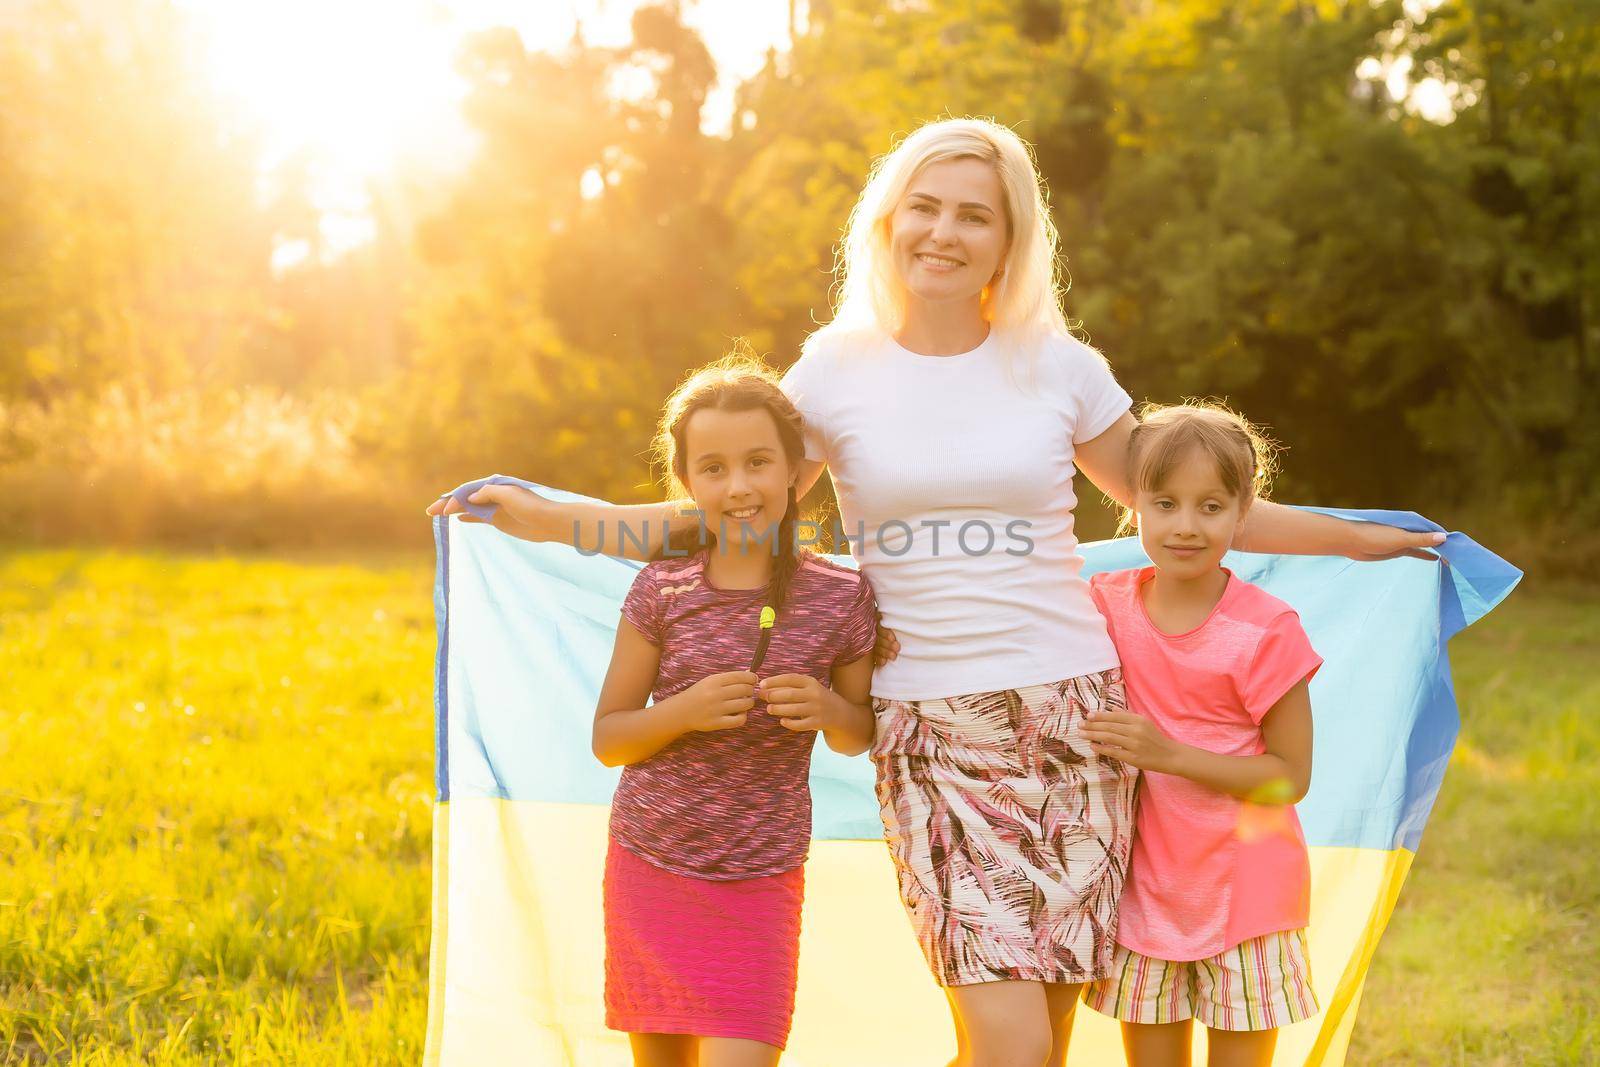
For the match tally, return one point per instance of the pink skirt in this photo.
(693, 956)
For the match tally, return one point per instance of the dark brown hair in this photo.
(740, 381)
(1167, 435)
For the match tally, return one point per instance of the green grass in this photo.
(215, 810)
(1492, 955)
(214, 823)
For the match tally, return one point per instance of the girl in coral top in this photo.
(1215, 909)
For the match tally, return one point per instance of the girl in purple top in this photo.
(712, 819)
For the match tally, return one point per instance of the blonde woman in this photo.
(952, 406)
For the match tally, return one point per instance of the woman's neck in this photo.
(942, 329)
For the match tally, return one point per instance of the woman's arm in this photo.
(632, 531)
(1104, 460)
(625, 731)
(1267, 527)
(1281, 775)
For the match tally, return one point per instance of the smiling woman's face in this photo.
(948, 235)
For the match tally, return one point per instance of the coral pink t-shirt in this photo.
(1208, 870)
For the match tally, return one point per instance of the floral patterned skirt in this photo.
(1010, 837)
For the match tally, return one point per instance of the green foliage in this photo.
(1525, 163)
(552, 327)
(128, 256)
(1404, 293)
(241, 467)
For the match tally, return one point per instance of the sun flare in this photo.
(358, 90)
(345, 81)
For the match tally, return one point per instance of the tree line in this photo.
(1371, 226)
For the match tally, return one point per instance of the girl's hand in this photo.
(718, 701)
(1374, 541)
(798, 701)
(1133, 739)
(888, 646)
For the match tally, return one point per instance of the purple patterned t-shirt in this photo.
(735, 803)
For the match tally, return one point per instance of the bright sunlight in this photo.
(358, 90)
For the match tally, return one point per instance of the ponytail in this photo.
(787, 564)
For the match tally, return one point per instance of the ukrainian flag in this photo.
(525, 634)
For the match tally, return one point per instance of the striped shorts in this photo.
(1260, 984)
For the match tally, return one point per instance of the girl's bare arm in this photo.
(1281, 775)
(1267, 527)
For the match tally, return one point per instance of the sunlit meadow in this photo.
(272, 274)
(216, 822)
(215, 810)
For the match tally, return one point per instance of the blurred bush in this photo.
(242, 467)
(1372, 227)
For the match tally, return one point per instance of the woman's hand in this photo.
(1133, 739)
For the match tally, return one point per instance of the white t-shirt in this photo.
(934, 458)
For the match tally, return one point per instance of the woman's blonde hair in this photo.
(1168, 435)
(1025, 297)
